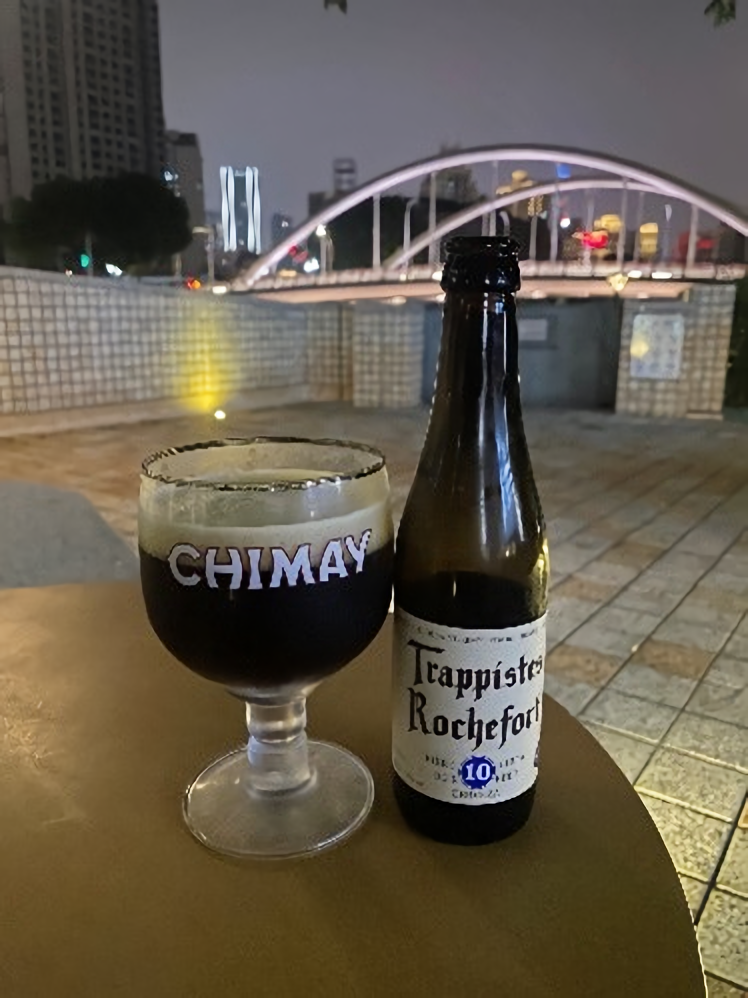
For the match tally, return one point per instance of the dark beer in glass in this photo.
(266, 566)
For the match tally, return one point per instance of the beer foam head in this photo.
(262, 493)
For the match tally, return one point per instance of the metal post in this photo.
(589, 221)
(665, 252)
(322, 254)
(89, 254)
(693, 236)
(376, 249)
(406, 223)
(432, 216)
(638, 233)
(622, 233)
(554, 226)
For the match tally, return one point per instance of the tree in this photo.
(722, 11)
(131, 220)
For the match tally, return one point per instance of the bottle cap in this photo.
(481, 263)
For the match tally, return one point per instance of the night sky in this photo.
(285, 85)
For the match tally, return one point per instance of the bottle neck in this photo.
(478, 363)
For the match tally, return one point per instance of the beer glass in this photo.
(266, 565)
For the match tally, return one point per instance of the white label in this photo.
(467, 708)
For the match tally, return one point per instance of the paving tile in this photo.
(713, 740)
(655, 601)
(722, 932)
(575, 587)
(705, 540)
(694, 891)
(737, 646)
(728, 672)
(679, 632)
(693, 611)
(632, 554)
(632, 623)
(600, 639)
(719, 989)
(694, 841)
(606, 571)
(631, 715)
(651, 684)
(581, 664)
(569, 556)
(629, 754)
(566, 615)
(679, 660)
(733, 873)
(686, 780)
(571, 695)
(560, 528)
(736, 584)
(720, 702)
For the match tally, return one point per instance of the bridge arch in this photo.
(654, 180)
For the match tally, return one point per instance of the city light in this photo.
(321, 231)
(661, 275)
(193, 283)
(635, 274)
(565, 222)
(618, 282)
(219, 414)
(85, 260)
(436, 276)
(113, 269)
(311, 265)
(220, 289)
(398, 300)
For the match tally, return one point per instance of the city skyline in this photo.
(387, 85)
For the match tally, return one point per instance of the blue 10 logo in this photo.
(477, 772)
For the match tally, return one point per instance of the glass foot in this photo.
(224, 813)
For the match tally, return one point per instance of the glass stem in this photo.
(277, 749)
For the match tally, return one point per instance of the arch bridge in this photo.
(593, 174)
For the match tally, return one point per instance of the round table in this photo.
(106, 893)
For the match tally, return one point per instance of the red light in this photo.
(595, 240)
(193, 283)
(293, 251)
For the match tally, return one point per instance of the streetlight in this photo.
(325, 247)
(406, 223)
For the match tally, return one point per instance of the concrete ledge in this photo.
(58, 420)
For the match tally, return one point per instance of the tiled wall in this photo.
(69, 343)
(700, 387)
(388, 344)
(330, 342)
(76, 343)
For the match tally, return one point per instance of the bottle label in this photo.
(467, 708)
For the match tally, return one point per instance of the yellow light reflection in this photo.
(639, 348)
(208, 365)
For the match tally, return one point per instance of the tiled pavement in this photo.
(648, 626)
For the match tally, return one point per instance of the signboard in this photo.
(657, 346)
(533, 330)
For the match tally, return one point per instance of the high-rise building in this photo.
(241, 221)
(183, 173)
(534, 205)
(280, 226)
(80, 91)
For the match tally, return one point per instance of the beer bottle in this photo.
(471, 575)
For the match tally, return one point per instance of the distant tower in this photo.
(345, 175)
(240, 209)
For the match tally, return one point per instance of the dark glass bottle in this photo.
(471, 576)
